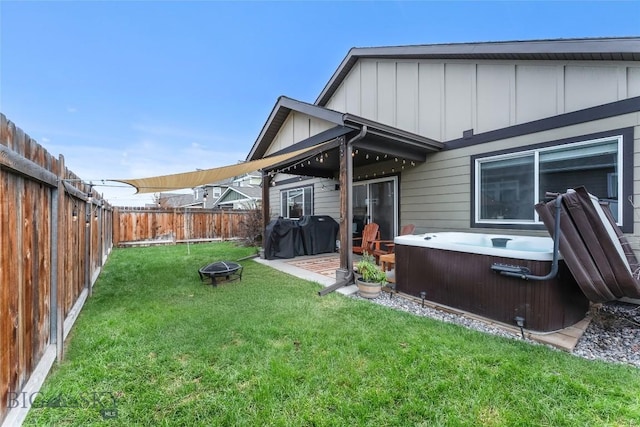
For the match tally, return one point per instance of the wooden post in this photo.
(266, 187)
(57, 296)
(87, 246)
(345, 239)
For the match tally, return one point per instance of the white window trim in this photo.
(536, 159)
(287, 190)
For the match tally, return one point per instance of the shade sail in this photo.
(180, 181)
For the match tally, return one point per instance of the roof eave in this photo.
(388, 132)
(279, 114)
(591, 49)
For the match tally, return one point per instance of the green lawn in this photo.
(157, 347)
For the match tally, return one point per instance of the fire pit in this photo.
(224, 270)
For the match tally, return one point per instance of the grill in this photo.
(221, 270)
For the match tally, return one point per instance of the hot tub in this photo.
(454, 269)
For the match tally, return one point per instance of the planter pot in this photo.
(367, 289)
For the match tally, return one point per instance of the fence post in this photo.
(87, 246)
(57, 263)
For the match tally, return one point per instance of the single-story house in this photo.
(460, 137)
(209, 196)
(240, 197)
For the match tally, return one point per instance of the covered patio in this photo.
(354, 148)
(351, 148)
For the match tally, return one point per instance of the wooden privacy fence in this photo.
(134, 225)
(55, 235)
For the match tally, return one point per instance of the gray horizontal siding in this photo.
(436, 195)
(326, 198)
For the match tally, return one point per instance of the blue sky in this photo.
(130, 89)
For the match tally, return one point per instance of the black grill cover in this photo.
(319, 233)
(282, 239)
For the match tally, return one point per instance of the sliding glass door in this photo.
(376, 201)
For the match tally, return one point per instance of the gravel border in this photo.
(612, 336)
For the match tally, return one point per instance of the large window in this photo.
(296, 202)
(509, 185)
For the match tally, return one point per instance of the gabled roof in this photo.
(585, 49)
(345, 123)
(177, 200)
(279, 114)
(247, 193)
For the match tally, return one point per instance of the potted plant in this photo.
(371, 279)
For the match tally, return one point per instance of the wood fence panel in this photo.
(29, 179)
(179, 224)
(42, 241)
(9, 293)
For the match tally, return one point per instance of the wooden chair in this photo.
(383, 247)
(370, 233)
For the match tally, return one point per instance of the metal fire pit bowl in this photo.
(224, 271)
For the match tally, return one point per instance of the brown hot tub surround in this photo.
(454, 269)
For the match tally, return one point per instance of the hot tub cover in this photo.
(593, 246)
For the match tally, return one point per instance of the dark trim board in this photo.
(627, 177)
(618, 108)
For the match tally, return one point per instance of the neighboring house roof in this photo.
(236, 194)
(176, 200)
(223, 183)
(584, 49)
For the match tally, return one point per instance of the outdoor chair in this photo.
(383, 247)
(370, 233)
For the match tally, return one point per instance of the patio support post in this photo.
(345, 224)
(266, 203)
(344, 275)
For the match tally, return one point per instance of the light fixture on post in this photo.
(392, 289)
(520, 322)
(74, 212)
(423, 295)
(90, 193)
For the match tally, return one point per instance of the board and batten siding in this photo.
(436, 195)
(441, 99)
(297, 127)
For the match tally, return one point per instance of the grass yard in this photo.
(154, 346)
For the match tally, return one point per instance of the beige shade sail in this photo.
(183, 180)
